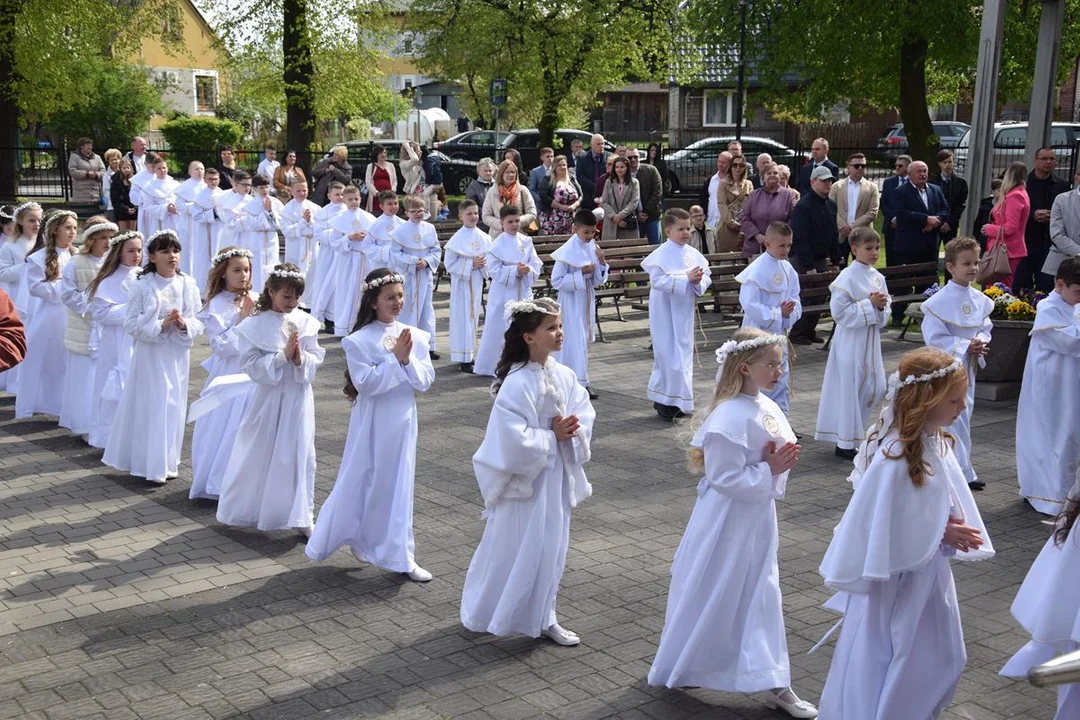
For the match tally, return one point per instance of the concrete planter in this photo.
(1008, 352)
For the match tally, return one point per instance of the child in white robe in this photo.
(1047, 439)
(415, 255)
(259, 235)
(956, 319)
(147, 434)
(1047, 606)
(229, 301)
(322, 278)
(371, 506)
(678, 276)
(137, 196)
(108, 296)
(769, 296)
(530, 468)
(854, 383)
(513, 266)
(466, 263)
(76, 407)
(348, 230)
(205, 226)
(901, 651)
(160, 205)
(298, 227)
(42, 373)
(185, 204)
(724, 627)
(27, 223)
(269, 483)
(380, 240)
(579, 268)
(230, 209)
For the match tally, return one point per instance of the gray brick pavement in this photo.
(121, 600)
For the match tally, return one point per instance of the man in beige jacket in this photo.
(857, 200)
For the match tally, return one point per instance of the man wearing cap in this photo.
(814, 234)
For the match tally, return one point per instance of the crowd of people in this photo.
(109, 324)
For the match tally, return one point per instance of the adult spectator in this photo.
(651, 198)
(813, 228)
(560, 198)
(137, 155)
(920, 211)
(463, 123)
(577, 151)
(226, 168)
(412, 169)
(286, 174)
(1042, 189)
(478, 188)
(735, 148)
(654, 155)
(857, 200)
(592, 165)
(620, 150)
(112, 164)
(507, 190)
(125, 212)
(379, 175)
(541, 171)
(86, 169)
(1064, 228)
(433, 181)
(819, 157)
(269, 164)
(515, 157)
(734, 189)
(12, 334)
(710, 191)
(602, 182)
(768, 204)
(1009, 218)
(982, 216)
(785, 179)
(620, 202)
(334, 166)
(758, 178)
(955, 190)
(887, 207)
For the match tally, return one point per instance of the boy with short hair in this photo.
(298, 227)
(579, 268)
(769, 296)
(258, 230)
(956, 319)
(206, 225)
(678, 276)
(513, 267)
(854, 384)
(466, 263)
(416, 254)
(702, 238)
(1047, 440)
(323, 264)
(379, 241)
(348, 230)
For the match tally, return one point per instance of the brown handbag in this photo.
(994, 265)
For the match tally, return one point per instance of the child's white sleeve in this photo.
(564, 277)
(758, 313)
(500, 272)
(1064, 340)
(938, 334)
(849, 312)
(729, 472)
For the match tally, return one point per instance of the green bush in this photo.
(199, 138)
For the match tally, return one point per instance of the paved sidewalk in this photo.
(123, 600)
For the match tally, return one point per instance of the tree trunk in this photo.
(299, 96)
(913, 110)
(549, 108)
(9, 109)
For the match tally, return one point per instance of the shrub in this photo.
(199, 138)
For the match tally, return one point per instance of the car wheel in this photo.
(464, 181)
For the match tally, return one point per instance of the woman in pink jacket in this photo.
(1009, 217)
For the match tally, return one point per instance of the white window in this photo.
(719, 108)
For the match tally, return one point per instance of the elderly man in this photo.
(137, 155)
(1064, 228)
(857, 201)
(920, 211)
(708, 196)
(590, 167)
(819, 157)
(813, 228)
(651, 199)
(762, 160)
(576, 153)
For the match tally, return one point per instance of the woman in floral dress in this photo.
(560, 197)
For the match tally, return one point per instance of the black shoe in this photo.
(666, 412)
(817, 339)
(846, 454)
(328, 326)
(592, 393)
(434, 355)
(680, 414)
(799, 340)
(798, 437)
(976, 485)
(466, 367)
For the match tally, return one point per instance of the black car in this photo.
(469, 147)
(527, 143)
(472, 145)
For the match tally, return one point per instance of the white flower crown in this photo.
(293, 274)
(734, 346)
(162, 233)
(895, 383)
(6, 216)
(235, 252)
(31, 205)
(57, 217)
(124, 237)
(392, 279)
(524, 307)
(99, 227)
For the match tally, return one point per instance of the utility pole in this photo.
(740, 85)
(980, 139)
(1043, 86)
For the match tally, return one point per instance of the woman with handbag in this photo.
(508, 191)
(732, 192)
(1008, 220)
(620, 202)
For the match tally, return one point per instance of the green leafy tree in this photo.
(118, 105)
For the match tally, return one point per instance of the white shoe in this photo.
(419, 574)
(156, 481)
(794, 707)
(560, 635)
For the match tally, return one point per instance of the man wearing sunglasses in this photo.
(857, 201)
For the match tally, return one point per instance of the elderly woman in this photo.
(86, 170)
(334, 166)
(772, 202)
(560, 198)
(284, 176)
(379, 175)
(620, 201)
(735, 187)
(112, 164)
(507, 191)
(785, 180)
(485, 176)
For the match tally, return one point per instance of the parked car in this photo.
(477, 144)
(894, 142)
(1010, 138)
(527, 142)
(690, 167)
(472, 145)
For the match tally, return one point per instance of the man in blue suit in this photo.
(920, 210)
(887, 206)
(538, 173)
(819, 157)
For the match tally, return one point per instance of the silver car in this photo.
(689, 168)
(1008, 147)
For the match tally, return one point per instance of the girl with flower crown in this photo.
(27, 223)
(371, 507)
(725, 577)
(901, 647)
(530, 468)
(269, 482)
(229, 301)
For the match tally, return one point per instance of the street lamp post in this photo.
(740, 85)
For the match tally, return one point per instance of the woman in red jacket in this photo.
(1009, 217)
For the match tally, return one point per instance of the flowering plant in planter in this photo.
(1011, 307)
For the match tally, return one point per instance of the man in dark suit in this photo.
(955, 190)
(813, 236)
(887, 207)
(651, 187)
(589, 168)
(920, 210)
(819, 153)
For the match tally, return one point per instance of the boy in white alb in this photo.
(259, 230)
(1047, 438)
(579, 268)
(205, 226)
(298, 227)
(379, 242)
(854, 383)
(956, 319)
(230, 209)
(466, 263)
(138, 184)
(185, 202)
(678, 276)
(348, 231)
(416, 254)
(319, 291)
(769, 296)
